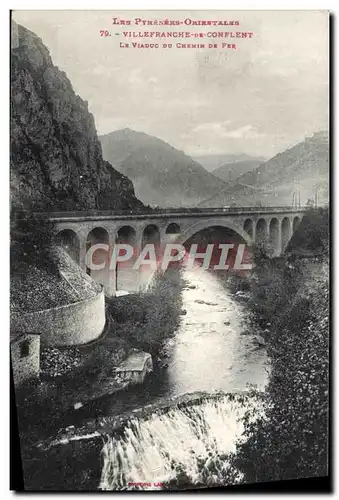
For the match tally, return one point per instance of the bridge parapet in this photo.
(167, 212)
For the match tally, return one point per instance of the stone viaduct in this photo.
(78, 231)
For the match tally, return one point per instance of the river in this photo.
(213, 350)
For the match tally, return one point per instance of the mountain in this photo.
(231, 171)
(162, 175)
(56, 157)
(303, 167)
(213, 162)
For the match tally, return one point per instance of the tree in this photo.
(31, 239)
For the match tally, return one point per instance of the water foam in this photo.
(188, 437)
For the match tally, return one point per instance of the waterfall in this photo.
(186, 438)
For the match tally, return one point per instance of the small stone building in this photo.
(135, 367)
(25, 357)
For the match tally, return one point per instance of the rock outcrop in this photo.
(56, 157)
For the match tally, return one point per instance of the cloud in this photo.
(222, 130)
(217, 128)
(134, 78)
(245, 132)
(152, 79)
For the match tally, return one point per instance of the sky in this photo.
(264, 96)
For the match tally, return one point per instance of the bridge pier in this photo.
(254, 233)
(110, 275)
(82, 251)
(286, 233)
(275, 237)
(105, 276)
(278, 249)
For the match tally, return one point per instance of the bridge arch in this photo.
(173, 228)
(150, 234)
(124, 275)
(248, 227)
(95, 236)
(261, 231)
(69, 240)
(126, 234)
(205, 224)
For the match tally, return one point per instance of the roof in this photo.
(14, 335)
(134, 362)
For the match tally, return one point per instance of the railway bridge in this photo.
(79, 231)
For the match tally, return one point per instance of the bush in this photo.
(312, 234)
(292, 441)
(145, 320)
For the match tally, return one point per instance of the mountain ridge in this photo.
(162, 175)
(212, 162)
(231, 171)
(303, 167)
